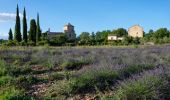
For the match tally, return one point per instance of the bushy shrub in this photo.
(73, 64)
(70, 65)
(87, 82)
(42, 43)
(3, 67)
(133, 69)
(23, 80)
(12, 43)
(5, 80)
(30, 43)
(56, 76)
(90, 81)
(23, 43)
(16, 71)
(50, 63)
(59, 90)
(12, 93)
(32, 80)
(109, 98)
(143, 89)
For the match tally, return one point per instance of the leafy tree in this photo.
(59, 40)
(10, 35)
(44, 36)
(127, 40)
(120, 32)
(92, 38)
(18, 27)
(161, 33)
(101, 37)
(38, 30)
(151, 31)
(32, 31)
(25, 37)
(84, 38)
(136, 40)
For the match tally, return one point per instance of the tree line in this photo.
(159, 36)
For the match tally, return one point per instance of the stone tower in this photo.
(69, 30)
(136, 31)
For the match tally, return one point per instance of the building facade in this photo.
(68, 30)
(136, 31)
(114, 38)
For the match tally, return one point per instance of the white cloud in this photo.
(5, 17)
(3, 36)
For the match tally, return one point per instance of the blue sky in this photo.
(88, 15)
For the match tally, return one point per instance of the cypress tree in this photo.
(10, 35)
(38, 31)
(32, 32)
(18, 27)
(25, 38)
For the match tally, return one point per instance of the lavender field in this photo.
(85, 73)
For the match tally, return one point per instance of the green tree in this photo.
(161, 33)
(120, 32)
(44, 36)
(59, 40)
(127, 40)
(10, 35)
(32, 31)
(84, 38)
(25, 37)
(18, 27)
(151, 31)
(92, 38)
(136, 40)
(101, 37)
(38, 30)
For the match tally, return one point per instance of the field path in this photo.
(38, 89)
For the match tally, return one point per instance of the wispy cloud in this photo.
(5, 17)
(3, 36)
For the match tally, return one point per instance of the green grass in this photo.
(5, 80)
(12, 93)
(3, 66)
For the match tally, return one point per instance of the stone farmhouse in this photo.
(114, 37)
(68, 30)
(134, 31)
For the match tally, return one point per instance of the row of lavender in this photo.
(108, 72)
